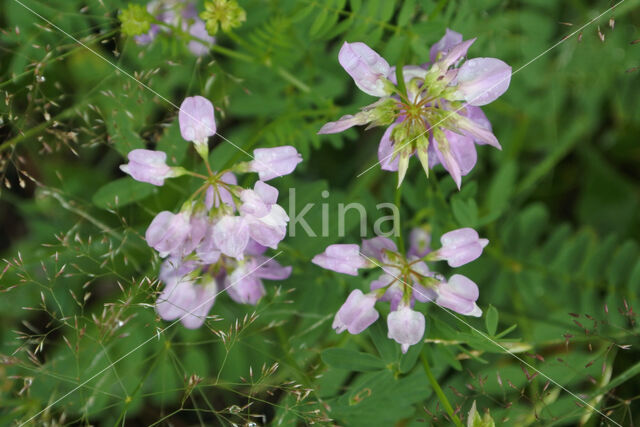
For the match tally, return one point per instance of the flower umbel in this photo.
(405, 280)
(434, 113)
(216, 242)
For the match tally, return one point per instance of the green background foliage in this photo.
(558, 282)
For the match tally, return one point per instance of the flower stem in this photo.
(398, 202)
(441, 396)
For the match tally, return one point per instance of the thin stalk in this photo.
(398, 202)
(441, 396)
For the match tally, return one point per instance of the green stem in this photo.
(398, 203)
(441, 396)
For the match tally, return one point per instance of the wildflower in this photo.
(368, 69)
(216, 243)
(245, 286)
(356, 314)
(225, 14)
(197, 121)
(270, 163)
(406, 326)
(267, 221)
(148, 166)
(168, 232)
(405, 280)
(341, 258)
(460, 295)
(188, 301)
(459, 247)
(436, 116)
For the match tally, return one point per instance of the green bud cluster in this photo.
(224, 14)
(135, 20)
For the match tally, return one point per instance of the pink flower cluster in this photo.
(405, 280)
(181, 14)
(217, 241)
(437, 115)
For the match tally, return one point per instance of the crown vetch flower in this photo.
(187, 301)
(182, 298)
(460, 247)
(245, 286)
(367, 68)
(405, 280)
(271, 163)
(406, 326)
(341, 258)
(356, 314)
(148, 166)
(459, 294)
(437, 118)
(216, 242)
(197, 121)
(168, 232)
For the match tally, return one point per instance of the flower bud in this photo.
(419, 242)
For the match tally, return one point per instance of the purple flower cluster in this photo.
(438, 117)
(405, 280)
(217, 241)
(179, 14)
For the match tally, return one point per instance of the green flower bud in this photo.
(225, 14)
(135, 20)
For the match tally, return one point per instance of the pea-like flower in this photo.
(356, 314)
(406, 279)
(341, 258)
(435, 114)
(459, 294)
(271, 163)
(460, 247)
(368, 69)
(168, 232)
(148, 166)
(245, 285)
(406, 326)
(197, 121)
